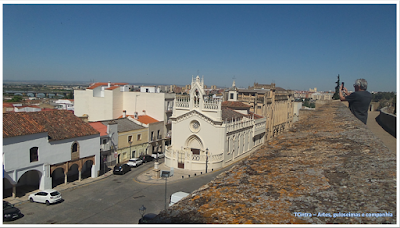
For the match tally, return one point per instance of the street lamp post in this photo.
(206, 158)
(165, 194)
(165, 174)
(130, 150)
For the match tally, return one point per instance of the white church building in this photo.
(209, 133)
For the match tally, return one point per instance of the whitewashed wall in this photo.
(16, 152)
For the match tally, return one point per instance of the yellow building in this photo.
(274, 103)
(132, 139)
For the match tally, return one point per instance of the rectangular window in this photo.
(129, 138)
(195, 151)
(152, 136)
(139, 137)
(34, 154)
(158, 134)
(104, 141)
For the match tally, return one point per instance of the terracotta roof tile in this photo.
(234, 104)
(60, 124)
(147, 119)
(229, 114)
(111, 88)
(99, 127)
(20, 123)
(10, 105)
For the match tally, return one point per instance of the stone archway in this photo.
(58, 177)
(87, 169)
(28, 182)
(73, 173)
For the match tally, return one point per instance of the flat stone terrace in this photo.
(328, 169)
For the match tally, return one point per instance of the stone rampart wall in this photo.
(304, 113)
(387, 121)
(328, 169)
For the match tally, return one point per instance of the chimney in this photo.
(124, 114)
(136, 115)
(109, 84)
(144, 111)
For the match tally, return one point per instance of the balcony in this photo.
(155, 138)
(105, 147)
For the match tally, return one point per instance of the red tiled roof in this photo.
(99, 127)
(147, 119)
(234, 104)
(9, 105)
(97, 84)
(255, 115)
(112, 87)
(60, 124)
(20, 123)
(229, 114)
(142, 118)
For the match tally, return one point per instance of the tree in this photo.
(70, 95)
(336, 94)
(16, 98)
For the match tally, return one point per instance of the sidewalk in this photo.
(178, 174)
(60, 188)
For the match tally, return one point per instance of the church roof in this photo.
(235, 104)
(229, 114)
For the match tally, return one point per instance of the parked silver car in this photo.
(134, 162)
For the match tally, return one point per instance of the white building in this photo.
(207, 133)
(64, 104)
(296, 110)
(150, 89)
(41, 147)
(106, 101)
(27, 108)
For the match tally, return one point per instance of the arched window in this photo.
(34, 156)
(75, 151)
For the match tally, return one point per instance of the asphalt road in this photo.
(113, 200)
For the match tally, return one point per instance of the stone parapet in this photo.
(387, 121)
(329, 168)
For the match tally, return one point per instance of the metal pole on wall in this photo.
(165, 200)
(206, 159)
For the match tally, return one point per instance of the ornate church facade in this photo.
(208, 133)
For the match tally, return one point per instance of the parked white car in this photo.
(47, 196)
(160, 155)
(176, 197)
(134, 162)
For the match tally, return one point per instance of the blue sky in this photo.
(295, 46)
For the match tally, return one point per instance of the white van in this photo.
(177, 196)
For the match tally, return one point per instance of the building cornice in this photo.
(196, 113)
